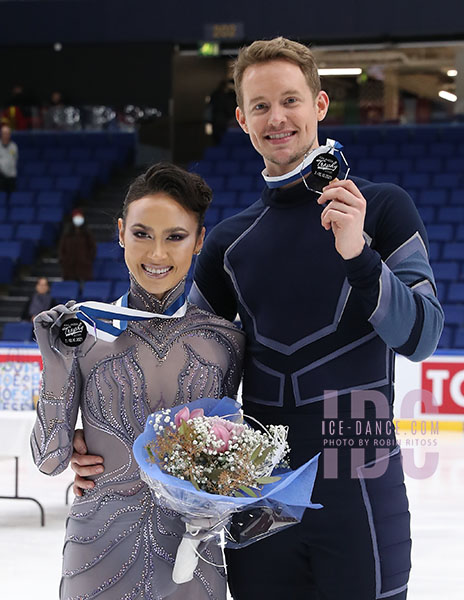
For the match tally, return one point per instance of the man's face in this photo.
(6, 135)
(41, 286)
(280, 113)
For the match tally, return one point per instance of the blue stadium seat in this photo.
(441, 149)
(451, 214)
(73, 184)
(215, 182)
(51, 198)
(77, 153)
(435, 251)
(7, 231)
(202, 167)
(34, 232)
(21, 214)
(368, 136)
(454, 314)
(252, 167)
(459, 338)
(216, 153)
(240, 183)
(33, 168)
(234, 137)
(2, 214)
(455, 165)
(17, 332)
(397, 134)
(425, 133)
(440, 233)
(41, 183)
(442, 290)
(457, 197)
(3, 199)
(111, 270)
(54, 154)
(243, 153)
(109, 154)
(96, 290)
(416, 180)
(7, 265)
(230, 212)
(227, 167)
(109, 250)
(224, 199)
(446, 270)
(399, 165)
(460, 233)
(10, 249)
(454, 251)
(212, 217)
(356, 151)
(446, 339)
(60, 169)
(63, 291)
(50, 214)
(29, 154)
(384, 150)
(432, 197)
(427, 164)
(412, 150)
(370, 166)
(447, 180)
(385, 178)
(22, 198)
(456, 292)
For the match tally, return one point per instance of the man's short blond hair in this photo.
(279, 48)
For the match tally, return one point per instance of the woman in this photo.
(120, 543)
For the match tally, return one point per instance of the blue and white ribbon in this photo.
(119, 313)
(331, 146)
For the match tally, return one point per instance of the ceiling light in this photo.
(353, 71)
(451, 72)
(447, 96)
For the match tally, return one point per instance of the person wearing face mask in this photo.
(120, 543)
(77, 249)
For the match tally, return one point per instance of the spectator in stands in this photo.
(8, 161)
(54, 111)
(41, 300)
(77, 249)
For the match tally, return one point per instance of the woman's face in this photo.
(159, 237)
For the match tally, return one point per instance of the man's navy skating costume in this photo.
(315, 322)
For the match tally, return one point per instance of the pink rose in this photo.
(184, 415)
(221, 433)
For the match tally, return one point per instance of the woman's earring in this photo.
(121, 244)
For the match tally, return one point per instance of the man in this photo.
(8, 161)
(328, 286)
(40, 300)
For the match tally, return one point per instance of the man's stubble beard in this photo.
(296, 158)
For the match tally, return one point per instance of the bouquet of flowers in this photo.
(207, 464)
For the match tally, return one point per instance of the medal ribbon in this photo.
(91, 314)
(304, 167)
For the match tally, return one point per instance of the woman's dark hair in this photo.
(188, 189)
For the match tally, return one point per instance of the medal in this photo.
(73, 333)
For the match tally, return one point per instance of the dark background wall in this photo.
(110, 74)
(105, 21)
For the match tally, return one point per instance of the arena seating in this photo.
(56, 170)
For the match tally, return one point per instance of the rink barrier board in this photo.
(441, 375)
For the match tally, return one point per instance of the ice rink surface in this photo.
(30, 555)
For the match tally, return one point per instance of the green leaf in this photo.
(256, 452)
(247, 491)
(194, 483)
(239, 494)
(272, 479)
(150, 453)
